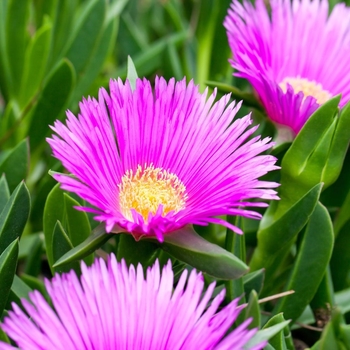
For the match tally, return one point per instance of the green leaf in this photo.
(32, 283)
(62, 27)
(278, 340)
(308, 138)
(276, 235)
(4, 337)
(254, 281)
(53, 211)
(96, 60)
(14, 216)
(52, 102)
(93, 242)
(37, 54)
(33, 259)
(305, 163)
(310, 265)
(19, 290)
(132, 74)
(60, 207)
(61, 244)
(186, 245)
(136, 252)
(4, 192)
(15, 166)
(75, 221)
(16, 41)
(8, 264)
(266, 333)
(86, 35)
(339, 147)
(253, 310)
(330, 335)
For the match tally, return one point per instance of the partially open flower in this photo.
(295, 56)
(115, 307)
(153, 162)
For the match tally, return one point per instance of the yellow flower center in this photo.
(147, 188)
(309, 88)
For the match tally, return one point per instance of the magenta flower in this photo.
(115, 307)
(151, 163)
(295, 56)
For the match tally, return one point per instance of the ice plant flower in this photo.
(294, 54)
(115, 307)
(153, 162)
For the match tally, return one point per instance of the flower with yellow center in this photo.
(307, 87)
(153, 161)
(285, 47)
(148, 189)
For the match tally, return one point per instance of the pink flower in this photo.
(153, 162)
(295, 56)
(114, 307)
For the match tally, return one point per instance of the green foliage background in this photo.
(53, 52)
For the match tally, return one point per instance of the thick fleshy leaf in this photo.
(76, 222)
(16, 164)
(108, 37)
(97, 238)
(345, 335)
(37, 54)
(136, 252)
(186, 245)
(61, 244)
(305, 162)
(31, 283)
(253, 310)
(310, 265)
(3, 337)
(254, 281)
(14, 216)
(53, 211)
(16, 41)
(132, 74)
(276, 235)
(308, 138)
(32, 265)
(331, 337)
(62, 28)
(266, 333)
(4, 192)
(278, 340)
(8, 264)
(60, 207)
(85, 35)
(339, 147)
(51, 102)
(19, 290)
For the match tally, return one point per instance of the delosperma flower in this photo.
(294, 54)
(151, 162)
(114, 307)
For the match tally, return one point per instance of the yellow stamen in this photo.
(147, 188)
(309, 88)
